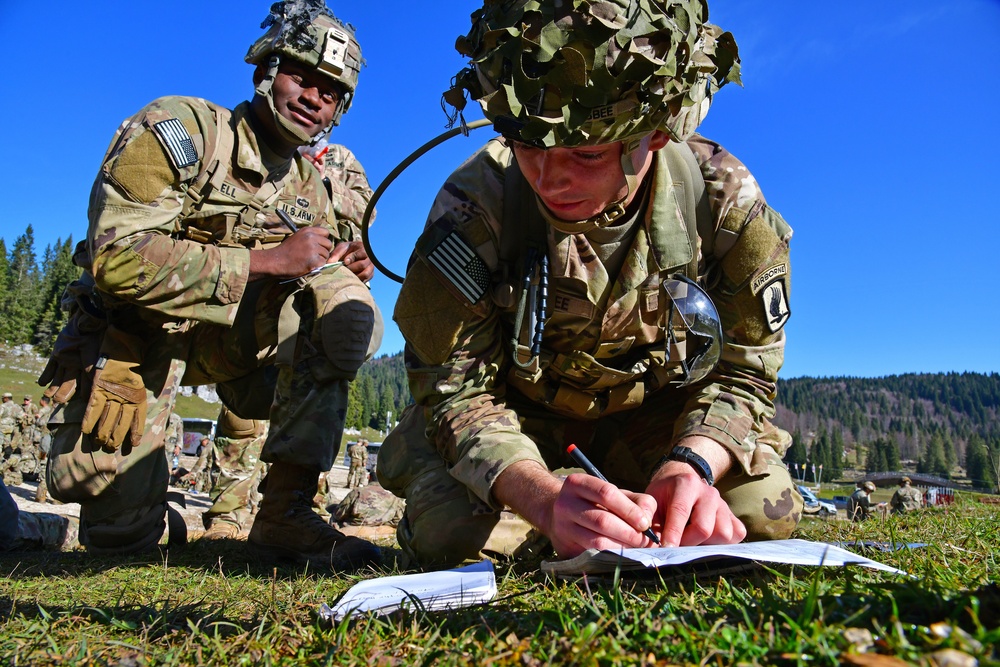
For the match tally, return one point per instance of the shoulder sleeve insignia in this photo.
(461, 266)
(775, 301)
(178, 142)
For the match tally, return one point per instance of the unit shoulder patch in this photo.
(774, 297)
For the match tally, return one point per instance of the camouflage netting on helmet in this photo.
(584, 72)
(309, 32)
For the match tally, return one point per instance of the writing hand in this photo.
(690, 511)
(589, 513)
(297, 255)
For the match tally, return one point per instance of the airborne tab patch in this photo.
(460, 264)
(178, 142)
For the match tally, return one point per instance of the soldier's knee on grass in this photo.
(129, 532)
(768, 505)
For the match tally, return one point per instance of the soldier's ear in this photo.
(658, 139)
(258, 74)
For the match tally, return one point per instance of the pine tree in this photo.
(19, 304)
(836, 468)
(386, 407)
(933, 461)
(58, 271)
(797, 452)
(977, 464)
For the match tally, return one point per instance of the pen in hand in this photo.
(585, 463)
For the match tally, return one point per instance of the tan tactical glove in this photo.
(73, 357)
(117, 406)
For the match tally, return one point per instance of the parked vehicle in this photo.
(840, 502)
(195, 429)
(815, 506)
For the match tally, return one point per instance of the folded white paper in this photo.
(795, 552)
(432, 591)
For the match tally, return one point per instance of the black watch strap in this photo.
(687, 455)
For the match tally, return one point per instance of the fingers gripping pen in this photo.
(585, 463)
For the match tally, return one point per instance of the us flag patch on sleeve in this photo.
(459, 263)
(179, 144)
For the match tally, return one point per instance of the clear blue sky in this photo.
(873, 129)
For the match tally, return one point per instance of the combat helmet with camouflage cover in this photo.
(583, 72)
(307, 31)
(567, 73)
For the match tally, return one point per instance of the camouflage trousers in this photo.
(234, 493)
(445, 524)
(289, 357)
(356, 475)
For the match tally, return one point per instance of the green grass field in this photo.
(212, 604)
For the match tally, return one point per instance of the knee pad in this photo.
(349, 324)
(768, 505)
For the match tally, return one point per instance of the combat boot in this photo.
(286, 527)
(223, 527)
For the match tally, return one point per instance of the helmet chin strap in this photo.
(613, 212)
(288, 130)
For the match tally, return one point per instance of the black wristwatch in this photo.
(687, 455)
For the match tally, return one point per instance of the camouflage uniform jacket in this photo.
(369, 506)
(458, 350)
(10, 417)
(358, 454)
(42, 420)
(859, 505)
(348, 186)
(906, 499)
(163, 238)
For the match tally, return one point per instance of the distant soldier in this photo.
(10, 417)
(26, 422)
(200, 478)
(906, 498)
(369, 506)
(859, 505)
(357, 473)
(175, 432)
(42, 445)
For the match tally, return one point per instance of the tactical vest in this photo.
(208, 216)
(216, 210)
(577, 384)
